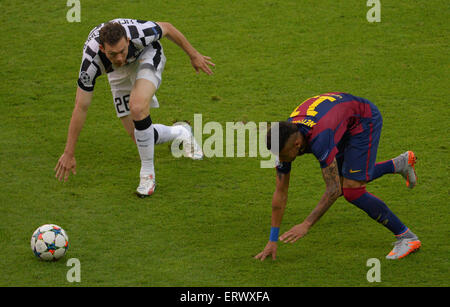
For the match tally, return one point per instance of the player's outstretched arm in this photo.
(279, 201)
(67, 162)
(198, 61)
(333, 191)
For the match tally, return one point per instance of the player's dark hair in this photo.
(284, 131)
(111, 33)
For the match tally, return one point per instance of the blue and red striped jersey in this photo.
(327, 119)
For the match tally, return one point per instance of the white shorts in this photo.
(122, 79)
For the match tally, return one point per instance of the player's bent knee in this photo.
(139, 110)
(374, 207)
(351, 194)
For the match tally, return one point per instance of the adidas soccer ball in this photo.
(49, 242)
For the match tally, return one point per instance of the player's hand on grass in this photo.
(65, 165)
(201, 62)
(270, 249)
(295, 233)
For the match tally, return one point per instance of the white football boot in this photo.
(190, 146)
(146, 186)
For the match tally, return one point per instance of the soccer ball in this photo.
(49, 242)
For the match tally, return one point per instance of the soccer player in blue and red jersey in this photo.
(342, 131)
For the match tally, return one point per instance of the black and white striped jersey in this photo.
(141, 33)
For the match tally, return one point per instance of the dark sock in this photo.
(381, 168)
(375, 208)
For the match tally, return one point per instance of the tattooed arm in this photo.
(332, 193)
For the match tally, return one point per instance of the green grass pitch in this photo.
(209, 218)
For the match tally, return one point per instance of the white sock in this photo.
(145, 140)
(169, 133)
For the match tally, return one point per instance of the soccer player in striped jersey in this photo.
(128, 51)
(342, 131)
